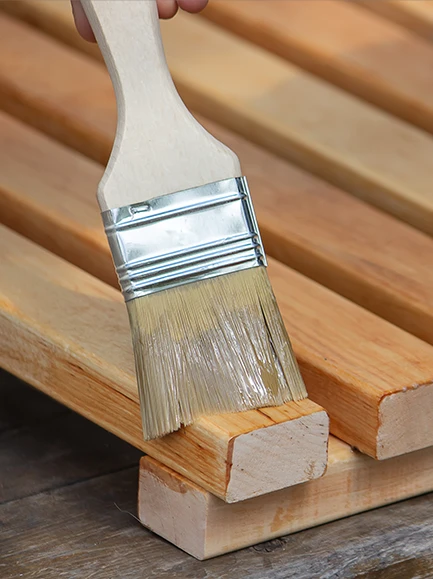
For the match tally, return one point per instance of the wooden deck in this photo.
(68, 495)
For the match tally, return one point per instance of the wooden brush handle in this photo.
(159, 147)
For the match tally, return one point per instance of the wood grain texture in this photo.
(303, 118)
(415, 16)
(205, 527)
(86, 529)
(54, 18)
(369, 442)
(36, 61)
(347, 46)
(351, 361)
(56, 324)
(330, 236)
(282, 107)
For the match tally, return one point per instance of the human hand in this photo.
(166, 9)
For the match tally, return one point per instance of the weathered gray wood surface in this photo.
(64, 480)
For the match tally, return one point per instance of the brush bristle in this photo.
(213, 346)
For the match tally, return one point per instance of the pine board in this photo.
(369, 441)
(67, 333)
(330, 236)
(371, 377)
(86, 528)
(415, 15)
(205, 527)
(340, 42)
(328, 131)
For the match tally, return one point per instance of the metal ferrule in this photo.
(184, 237)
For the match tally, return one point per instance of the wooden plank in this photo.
(347, 46)
(67, 333)
(375, 381)
(205, 527)
(87, 528)
(54, 18)
(383, 265)
(374, 408)
(65, 219)
(79, 531)
(386, 263)
(327, 131)
(74, 113)
(416, 16)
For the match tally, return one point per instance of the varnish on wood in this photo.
(372, 378)
(363, 371)
(382, 264)
(328, 132)
(67, 334)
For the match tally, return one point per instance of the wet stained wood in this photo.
(78, 530)
(315, 228)
(322, 232)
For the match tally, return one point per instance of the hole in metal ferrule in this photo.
(184, 237)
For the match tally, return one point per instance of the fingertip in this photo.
(192, 5)
(167, 8)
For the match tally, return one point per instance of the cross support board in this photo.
(205, 527)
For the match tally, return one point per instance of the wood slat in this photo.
(327, 235)
(54, 18)
(71, 114)
(356, 250)
(67, 333)
(203, 526)
(415, 15)
(267, 172)
(79, 530)
(352, 361)
(242, 86)
(350, 47)
(87, 527)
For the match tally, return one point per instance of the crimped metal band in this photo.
(184, 237)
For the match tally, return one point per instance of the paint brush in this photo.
(207, 333)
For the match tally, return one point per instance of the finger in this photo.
(192, 5)
(167, 8)
(81, 22)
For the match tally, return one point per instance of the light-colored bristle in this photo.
(213, 346)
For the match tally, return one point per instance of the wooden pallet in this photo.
(367, 361)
